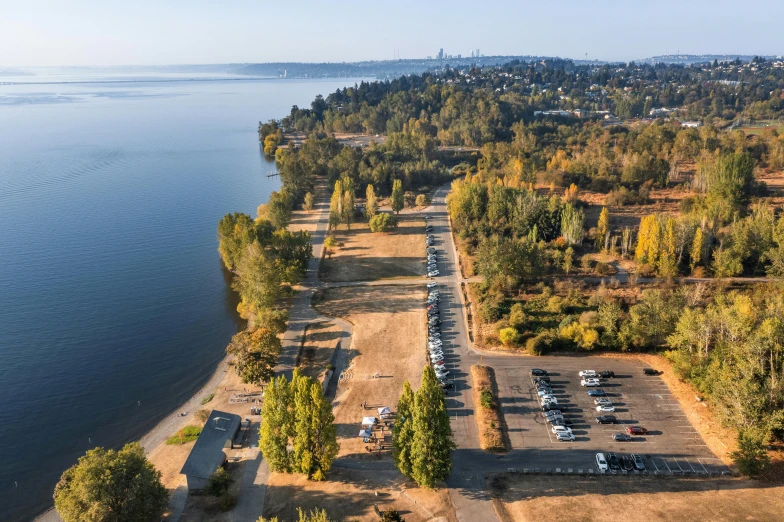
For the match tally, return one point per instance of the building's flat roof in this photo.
(206, 455)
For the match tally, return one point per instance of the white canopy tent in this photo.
(384, 411)
(365, 434)
(369, 421)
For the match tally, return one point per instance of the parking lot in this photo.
(672, 445)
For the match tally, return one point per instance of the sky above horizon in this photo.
(147, 32)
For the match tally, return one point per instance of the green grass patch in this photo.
(189, 434)
(208, 398)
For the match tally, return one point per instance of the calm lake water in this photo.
(114, 307)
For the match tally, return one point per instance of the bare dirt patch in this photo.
(518, 498)
(349, 494)
(387, 350)
(366, 256)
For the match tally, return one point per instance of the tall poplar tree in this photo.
(276, 428)
(324, 445)
(696, 248)
(302, 453)
(371, 201)
(602, 228)
(432, 445)
(403, 431)
(668, 264)
(398, 197)
(336, 205)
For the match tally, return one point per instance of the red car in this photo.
(636, 430)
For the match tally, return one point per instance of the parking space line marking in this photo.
(668, 467)
(654, 464)
(692, 467)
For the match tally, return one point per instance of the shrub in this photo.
(202, 415)
(486, 399)
(219, 482)
(490, 311)
(207, 399)
(517, 317)
(603, 268)
(508, 336)
(555, 305)
(751, 457)
(541, 344)
(383, 222)
(189, 434)
(422, 200)
(227, 502)
(391, 515)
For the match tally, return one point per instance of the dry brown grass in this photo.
(621, 498)
(349, 494)
(366, 256)
(321, 339)
(388, 340)
(489, 421)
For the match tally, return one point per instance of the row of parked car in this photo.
(552, 411)
(435, 345)
(432, 256)
(612, 462)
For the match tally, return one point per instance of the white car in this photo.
(587, 373)
(601, 463)
(591, 383)
(603, 401)
(431, 285)
(603, 408)
(549, 400)
(564, 437)
(543, 393)
(433, 274)
(561, 429)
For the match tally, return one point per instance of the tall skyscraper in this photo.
(441, 54)
(477, 52)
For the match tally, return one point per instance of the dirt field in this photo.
(349, 494)
(520, 498)
(318, 348)
(387, 349)
(366, 256)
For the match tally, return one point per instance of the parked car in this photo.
(621, 437)
(627, 463)
(587, 373)
(432, 285)
(544, 392)
(548, 406)
(636, 430)
(601, 463)
(553, 414)
(538, 371)
(433, 274)
(605, 419)
(606, 374)
(548, 398)
(603, 401)
(556, 421)
(560, 429)
(539, 380)
(441, 374)
(612, 460)
(603, 408)
(596, 393)
(445, 385)
(590, 382)
(564, 437)
(650, 371)
(639, 465)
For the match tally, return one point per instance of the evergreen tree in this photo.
(403, 431)
(371, 201)
(398, 197)
(696, 248)
(275, 430)
(602, 228)
(432, 445)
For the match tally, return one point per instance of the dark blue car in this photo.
(596, 393)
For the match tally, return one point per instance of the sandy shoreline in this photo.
(169, 425)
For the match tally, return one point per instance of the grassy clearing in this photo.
(489, 420)
(366, 256)
(189, 434)
(610, 498)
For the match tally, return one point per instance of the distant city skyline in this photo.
(91, 32)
